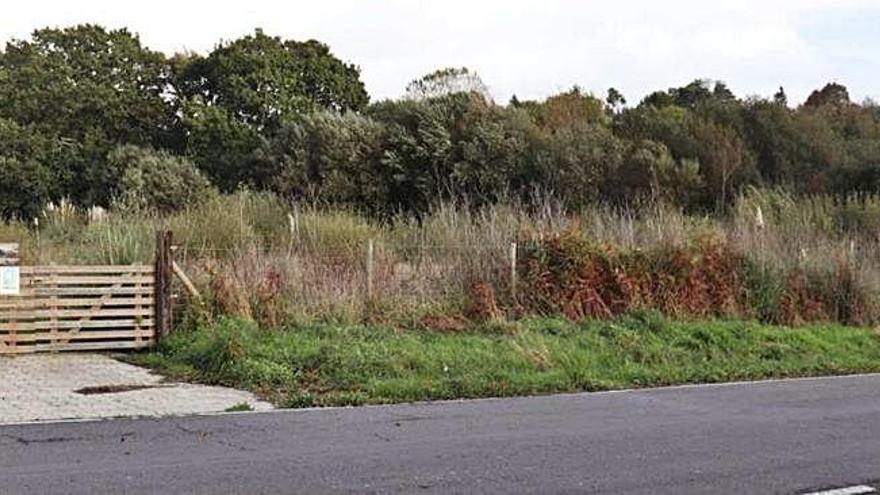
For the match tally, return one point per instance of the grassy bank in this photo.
(323, 365)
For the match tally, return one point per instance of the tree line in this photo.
(93, 116)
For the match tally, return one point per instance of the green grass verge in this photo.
(349, 365)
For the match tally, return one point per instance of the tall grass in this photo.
(785, 259)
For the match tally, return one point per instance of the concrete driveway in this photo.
(85, 386)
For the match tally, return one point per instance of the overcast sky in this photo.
(530, 48)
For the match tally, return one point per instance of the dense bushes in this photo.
(157, 180)
(566, 274)
(334, 158)
(569, 275)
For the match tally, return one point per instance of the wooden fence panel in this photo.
(62, 308)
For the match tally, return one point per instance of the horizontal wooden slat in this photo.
(68, 324)
(75, 313)
(91, 346)
(84, 291)
(121, 269)
(25, 349)
(86, 280)
(28, 304)
(110, 334)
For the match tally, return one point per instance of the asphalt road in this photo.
(771, 437)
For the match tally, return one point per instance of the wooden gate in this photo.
(61, 308)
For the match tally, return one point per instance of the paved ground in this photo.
(43, 387)
(771, 437)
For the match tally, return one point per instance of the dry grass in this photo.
(254, 256)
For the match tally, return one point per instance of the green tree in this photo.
(669, 125)
(615, 100)
(331, 158)
(260, 80)
(89, 88)
(578, 163)
(792, 148)
(224, 148)
(692, 95)
(453, 147)
(780, 97)
(726, 164)
(649, 171)
(29, 175)
(86, 80)
(830, 94)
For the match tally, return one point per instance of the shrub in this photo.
(567, 274)
(156, 180)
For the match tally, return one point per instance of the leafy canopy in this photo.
(87, 81)
(261, 79)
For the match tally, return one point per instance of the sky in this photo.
(531, 48)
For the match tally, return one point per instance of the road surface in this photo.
(772, 437)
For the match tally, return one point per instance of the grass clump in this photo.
(327, 365)
(240, 407)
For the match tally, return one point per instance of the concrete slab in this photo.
(44, 387)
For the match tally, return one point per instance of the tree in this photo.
(669, 125)
(725, 161)
(780, 98)
(658, 99)
(571, 108)
(578, 162)
(448, 81)
(649, 171)
(455, 147)
(831, 94)
(90, 89)
(260, 80)
(615, 100)
(696, 93)
(332, 158)
(87, 81)
(722, 92)
(29, 176)
(223, 147)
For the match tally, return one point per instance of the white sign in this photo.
(10, 281)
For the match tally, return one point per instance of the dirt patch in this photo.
(483, 304)
(443, 323)
(111, 389)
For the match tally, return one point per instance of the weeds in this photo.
(240, 407)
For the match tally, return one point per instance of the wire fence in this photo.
(371, 271)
